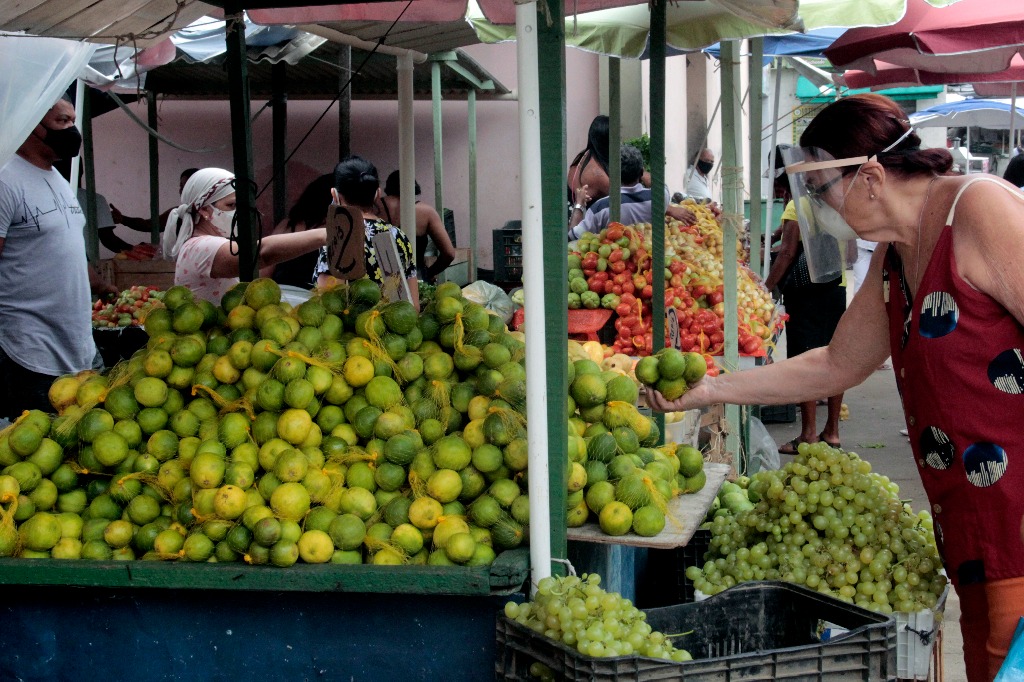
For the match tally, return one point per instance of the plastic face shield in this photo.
(816, 181)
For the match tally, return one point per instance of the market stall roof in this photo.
(140, 23)
(317, 76)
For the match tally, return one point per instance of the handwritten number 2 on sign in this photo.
(345, 258)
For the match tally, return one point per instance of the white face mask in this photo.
(222, 220)
(832, 221)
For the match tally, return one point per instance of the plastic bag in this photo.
(491, 297)
(1013, 667)
(762, 452)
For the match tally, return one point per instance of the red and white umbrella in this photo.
(970, 36)
(893, 76)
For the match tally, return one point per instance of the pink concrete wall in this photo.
(122, 166)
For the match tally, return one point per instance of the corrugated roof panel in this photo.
(101, 20)
(316, 76)
(422, 37)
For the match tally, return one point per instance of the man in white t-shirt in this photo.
(45, 279)
(698, 176)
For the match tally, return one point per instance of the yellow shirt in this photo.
(790, 214)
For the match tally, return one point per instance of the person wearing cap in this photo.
(429, 227)
(199, 236)
(945, 297)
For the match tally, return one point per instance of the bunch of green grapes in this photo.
(578, 612)
(827, 522)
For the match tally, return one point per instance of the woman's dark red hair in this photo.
(864, 125)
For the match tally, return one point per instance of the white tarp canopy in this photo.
(37, 71)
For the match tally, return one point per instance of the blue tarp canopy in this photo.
(984, 113)
(810, 44)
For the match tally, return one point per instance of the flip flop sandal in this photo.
(837, 445)
(790, 448)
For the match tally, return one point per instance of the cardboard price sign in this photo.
(672, 326)
(345, 234)
(395, 287)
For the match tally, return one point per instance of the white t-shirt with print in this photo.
(45, 302)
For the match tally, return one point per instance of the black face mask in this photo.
(705, 166)
(65, 142)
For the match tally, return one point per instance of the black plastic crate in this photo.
(667, 584)
(756, 632)
(508, 255)
(778, 414)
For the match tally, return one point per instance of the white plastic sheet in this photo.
(36, 72)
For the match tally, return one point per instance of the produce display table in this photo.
(125, 273)
(622, 561)
(89, 620)
(684, 514)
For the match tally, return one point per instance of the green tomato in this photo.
(578, 285)
(590, 300)
(574, 301)
(602, 264)
(610, 301)
(574, 264)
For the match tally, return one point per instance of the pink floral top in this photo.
(195, 260)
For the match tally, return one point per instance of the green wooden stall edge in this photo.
(505, 576)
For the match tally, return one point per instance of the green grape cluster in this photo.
(827, 522)
(579, 613)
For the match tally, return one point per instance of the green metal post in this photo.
(732, 200)
(154, 171)
(92, 235)
(471, 116)
(551, 68)
(279, 109)
(241, 142)
(614, 136)
(435, 89)
(756, 108)
(657, 108)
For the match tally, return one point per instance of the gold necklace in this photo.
(920, 222)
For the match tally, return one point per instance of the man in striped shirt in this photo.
(636, 201)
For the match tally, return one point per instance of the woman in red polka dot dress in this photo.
(945, 298)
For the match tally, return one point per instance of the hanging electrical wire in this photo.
(330, 105)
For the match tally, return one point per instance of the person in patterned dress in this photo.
(945, 297)
(357, 187)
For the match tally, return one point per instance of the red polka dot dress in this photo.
(959, 361)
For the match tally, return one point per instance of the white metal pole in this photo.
(533, 289)
(1013, 115)
(406, 147)
(76, 161)
(769, 219)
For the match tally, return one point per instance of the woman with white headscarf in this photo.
(198, 233)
